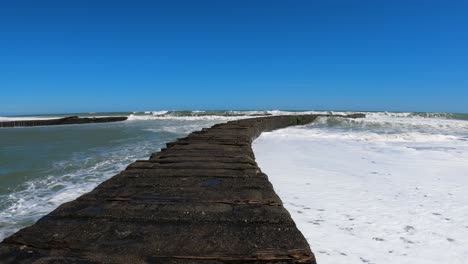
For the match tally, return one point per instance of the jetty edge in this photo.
(69, 120)
(202, 199)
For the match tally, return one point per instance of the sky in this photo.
(90, 56)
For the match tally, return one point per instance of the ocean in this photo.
(390, 188)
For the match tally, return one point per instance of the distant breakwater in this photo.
(71, 120)
(202, 199)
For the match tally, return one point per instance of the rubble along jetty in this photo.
(202, 199)
(70, 120)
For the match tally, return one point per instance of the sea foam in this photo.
(385, 189)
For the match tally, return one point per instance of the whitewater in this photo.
(385, 189)
(390, 188)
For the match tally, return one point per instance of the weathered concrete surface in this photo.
(202, 199)
(71, 120)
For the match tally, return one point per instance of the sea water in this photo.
(390, 188)
(43, 167)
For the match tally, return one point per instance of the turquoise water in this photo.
(43, 167)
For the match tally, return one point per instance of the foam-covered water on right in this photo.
(390, 188)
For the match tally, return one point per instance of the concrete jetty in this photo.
(202, 199)
(69, 120)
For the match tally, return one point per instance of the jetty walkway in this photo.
(203, 199)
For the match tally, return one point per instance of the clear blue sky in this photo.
(74, 56)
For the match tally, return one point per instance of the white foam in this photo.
(182, 118)
(178, 129)
(360, 196)
(157, 113)
(432, 124)
(372, 136)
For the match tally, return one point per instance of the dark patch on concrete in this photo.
(211, 183)
(203, 199)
